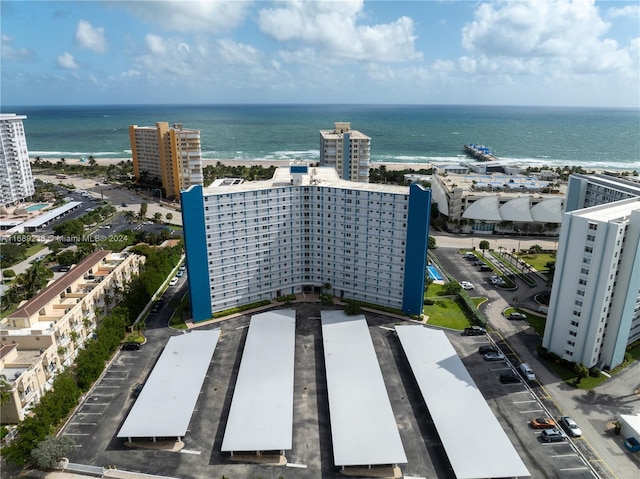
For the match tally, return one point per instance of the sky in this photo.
(543, 52)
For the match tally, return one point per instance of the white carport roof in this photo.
(484, 209)
(474, 441)
(548, 211)
(363, 428)
(261, 414)
(167, 400)
(516, 210)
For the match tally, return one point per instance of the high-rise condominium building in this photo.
(592, 190)
(15, 170)
(305, 230)
(594, 312)
(346, 150)
(169, 155)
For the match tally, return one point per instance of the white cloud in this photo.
(234, 53)
(560, 37)
(630, 11)
(90, 38)
(10, 53)
(332, 28)
(67, 61)
(213, 16)
(155, 44)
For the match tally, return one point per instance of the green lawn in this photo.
(538, 261)
(447, 313)
(535, 321)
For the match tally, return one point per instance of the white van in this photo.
(527, 372)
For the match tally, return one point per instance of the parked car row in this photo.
(556, 431)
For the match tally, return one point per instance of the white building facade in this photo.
(346, 150)
(594, 312)
(303, 230)
(15, 169)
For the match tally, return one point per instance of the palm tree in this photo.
(5, 392)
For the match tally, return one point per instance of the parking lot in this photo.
(98, 419)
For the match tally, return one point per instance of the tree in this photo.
(129, 215)
(143, 210)
(5, 392)
(169, 216)
(452, 287)
(484, 245)
(8, 273)
(157, 217)
(49, 452)
(69, 228)
(536, 248)
(432, 242)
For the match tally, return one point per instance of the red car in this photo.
(543, 423)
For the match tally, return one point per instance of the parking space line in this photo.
(76, 434)
(521, 402)
(574, 468)
(533, 410)
(565, 455)
(83, 423)
(189, 451)
(304, 466)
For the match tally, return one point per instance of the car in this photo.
(466, 285)
(107, 227)
(527, 372)
(569, 425)
(487, 348)
(64, 269)
(494, 279)
(508, 378)
(179, 274)
(182, 268)
(131, 346)
(517, 316)
(485, 267)
(552, 435)
(543, 423)
(494, 357)
(469, 255)
(474, 331)
(173, 281)
(89, 210)
(124, 205)
(137, 390)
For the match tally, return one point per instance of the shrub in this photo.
(428, 302)
(48, 452)
(594, 372)
(8, 273)
(352, 308)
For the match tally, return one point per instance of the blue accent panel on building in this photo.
(415, 262)
(299, 169)
(195, 244)
(346, 156)
(574, 190)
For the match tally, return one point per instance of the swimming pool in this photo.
(434, 274)
(37, 207)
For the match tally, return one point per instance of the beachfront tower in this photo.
(305, 231)
(168, 157)
(594, 311)
(346, 150)
(15, 170)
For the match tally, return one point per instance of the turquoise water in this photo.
(36, 207)
(434, 274)
(597, 138)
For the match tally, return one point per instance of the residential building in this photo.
(15, 169)
(170, 156)
(498, 203)
(594, 311)
(305, 230)
(346, 150)
(43, 336)
(592, 190)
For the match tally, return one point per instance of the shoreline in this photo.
(390, 166)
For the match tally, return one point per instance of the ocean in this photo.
(594, 138)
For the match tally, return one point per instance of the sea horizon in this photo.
(597, 138)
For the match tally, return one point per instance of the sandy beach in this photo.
(247, 163)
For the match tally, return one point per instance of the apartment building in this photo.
(594, 311)
(170, 156)
(301, 231)
(346, 150)
(15, 169)
(592, 190)
(43, 336)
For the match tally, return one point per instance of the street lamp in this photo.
(160, 192)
